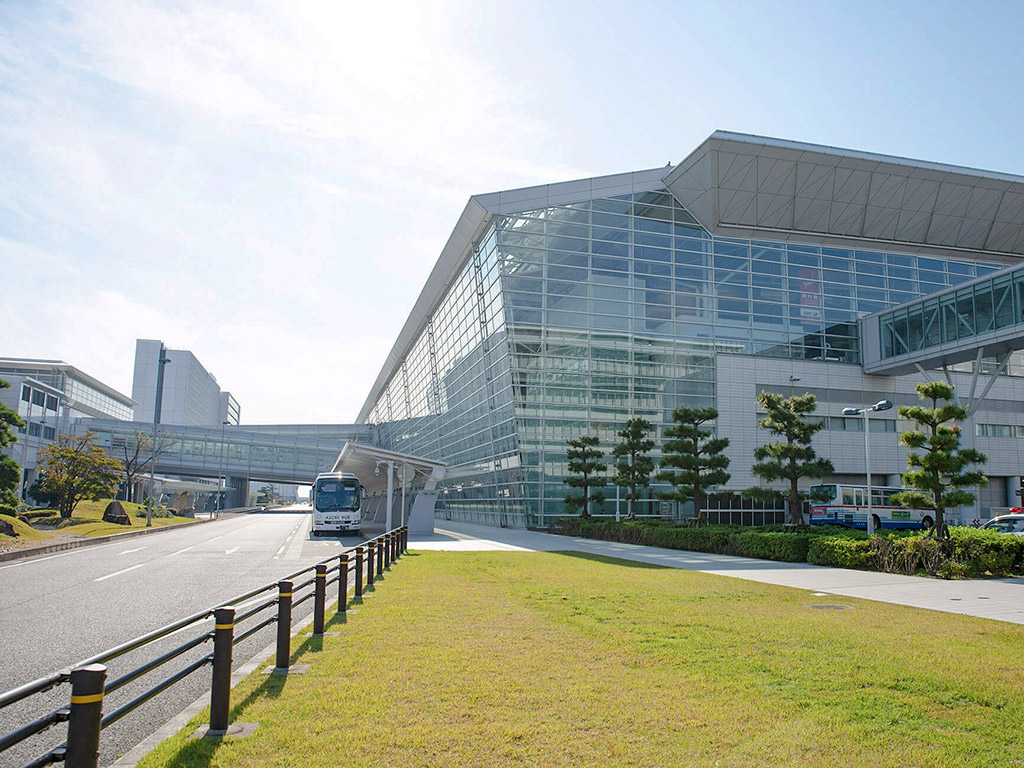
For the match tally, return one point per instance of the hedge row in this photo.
(968, 553)
(766, 544)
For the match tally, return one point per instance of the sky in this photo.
(269, 184)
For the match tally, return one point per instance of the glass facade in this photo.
(571, 319)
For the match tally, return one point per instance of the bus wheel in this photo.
(877, 522)
(927, 522)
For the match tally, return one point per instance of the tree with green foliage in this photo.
(692, 459)
(940, 472)
(10, 470)
(633, 465)
(37, 494)
(585, 462)
(791, 458)
(75, 467)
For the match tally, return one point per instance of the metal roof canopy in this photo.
(738, 185)
(362, 460)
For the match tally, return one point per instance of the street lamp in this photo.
(220, 478)
(162, 360)
(881, 405)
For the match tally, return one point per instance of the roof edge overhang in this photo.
(472, 224)
(360, 459)
(747, 186)
(64, 367)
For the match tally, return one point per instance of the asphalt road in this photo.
(58, 609)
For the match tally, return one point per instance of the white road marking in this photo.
(186, 549)
(129, 551)
(232, 551)
(118, 573)
(62, 554)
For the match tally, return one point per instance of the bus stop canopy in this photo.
(364, 461)
(373, 466)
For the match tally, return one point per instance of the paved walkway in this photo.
(999, 599)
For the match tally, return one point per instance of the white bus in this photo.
(847, 505)
(335, 497)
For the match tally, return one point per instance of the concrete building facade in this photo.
(191, 394)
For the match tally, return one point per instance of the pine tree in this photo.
(584, 464)
(789, 459)
(692, 459)
(939, 474)
(633, 468)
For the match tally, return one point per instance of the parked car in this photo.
(1012, 524)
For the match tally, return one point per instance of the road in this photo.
(57, 609)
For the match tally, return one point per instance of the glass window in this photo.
(26, 393)
(38, 397)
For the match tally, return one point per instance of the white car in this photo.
(1012, 524)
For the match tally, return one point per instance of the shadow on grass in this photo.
(609, 560)
(198, 753)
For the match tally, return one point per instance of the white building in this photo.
(191, 395)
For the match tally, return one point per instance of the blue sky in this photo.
(269, 184)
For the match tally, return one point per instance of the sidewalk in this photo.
(998, 599)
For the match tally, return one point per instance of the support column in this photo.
(1013, 492)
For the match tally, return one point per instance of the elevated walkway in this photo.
(288, 453)
(979, 319)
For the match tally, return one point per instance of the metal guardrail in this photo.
(84, 714)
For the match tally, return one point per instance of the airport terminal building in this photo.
(566, 309)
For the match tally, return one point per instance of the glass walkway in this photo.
(981, 318)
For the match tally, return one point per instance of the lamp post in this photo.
(220, 478)
(162, 360)
(881, 405)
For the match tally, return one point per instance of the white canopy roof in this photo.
(739, 185)
(361, 460)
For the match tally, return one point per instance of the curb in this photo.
(46, 549)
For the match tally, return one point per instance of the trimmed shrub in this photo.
(841, 552)
(787, 547)
(968, 553)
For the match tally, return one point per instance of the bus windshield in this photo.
(332, 494)
(825, 493)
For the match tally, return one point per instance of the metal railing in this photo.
(88, 681)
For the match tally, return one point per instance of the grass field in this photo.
(87, 519)
(548, 659)
(24, 531)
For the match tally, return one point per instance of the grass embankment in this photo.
(22, 530)
(509, 659)
(87, 519)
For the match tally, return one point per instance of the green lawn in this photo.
(87, 519)
(23, 531)
(547, 659)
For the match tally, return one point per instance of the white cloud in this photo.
(245, 181)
